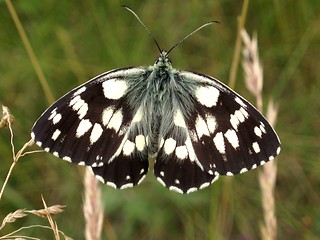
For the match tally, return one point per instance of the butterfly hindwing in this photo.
(129, 166)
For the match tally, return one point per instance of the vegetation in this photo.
(74, 41)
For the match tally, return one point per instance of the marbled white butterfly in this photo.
(194, 126)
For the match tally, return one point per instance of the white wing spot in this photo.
(56, 118)
(192, 154)
(238, 100)
(137, 117)
(56, 154)
(99, 178)
(174, 188)
(81, 163)
(201, 127)
(53, 113)
(232, 138)
(169, 145)
(234, 121)
(182, 152)
(116, 121)
(193, 189)
(262, 127)
(257, 131)
(106, 115)
(66, 158)
(244, 112)
(254, 166)
(111, 184)
(76, 103)
(83, 110)
(83, 127)
(207, 96)
(140, 142)
(256, 147)
(56, 134)
(211, 123)
(204, 185)
(114, 89)
(243, 170)
(161, 142)
(229, 174)
(128, 185)
(177, 181)
(79, 91)
(128, 177)
(128, 148)
(219, 143)
(161, 181)
(278, 150)
(178, 119)
(95, 133)
(239, 115)
(141, 179)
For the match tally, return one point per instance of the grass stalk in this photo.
(267, 176)
(92, 207)
(29, 49)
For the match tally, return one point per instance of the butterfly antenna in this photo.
(144, 26)
(199, 28)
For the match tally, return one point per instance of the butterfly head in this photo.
(163, 61)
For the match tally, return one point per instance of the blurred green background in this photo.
(76, 40)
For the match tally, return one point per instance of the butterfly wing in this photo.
(94, 125)
(214, 132)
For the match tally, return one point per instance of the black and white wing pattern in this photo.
(214, 132)
(95, 125)
(193, 125)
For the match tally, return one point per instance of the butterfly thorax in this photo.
(159, 89)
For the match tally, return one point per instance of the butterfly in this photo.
(195, 127)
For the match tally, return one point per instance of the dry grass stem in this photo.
(12, 235)
(92, 207)
(7, 120)
(252, 68)
(12, 217)
(53, 210)
(267, 177)
(237, 50)
(7, 117)
(29, 49)
(52, 223)
(20, 213)
(267, 180)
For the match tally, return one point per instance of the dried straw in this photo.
(92, 207)
(267, 177)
